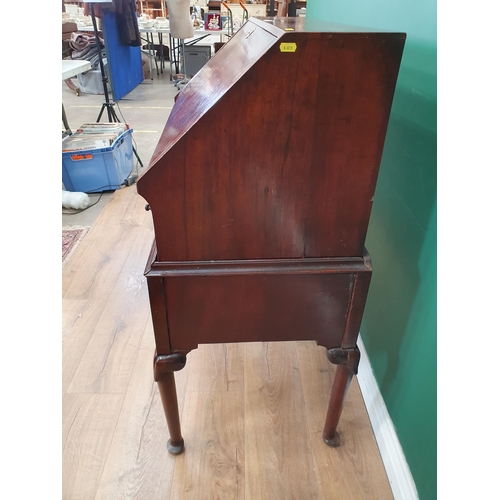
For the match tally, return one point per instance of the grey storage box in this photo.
(195, 57)
(90, 82)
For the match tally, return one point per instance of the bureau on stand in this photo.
(260, 190)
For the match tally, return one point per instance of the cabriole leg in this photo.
(347, 361)
(164, 367)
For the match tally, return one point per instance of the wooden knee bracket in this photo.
(341, 356)
(167, 364)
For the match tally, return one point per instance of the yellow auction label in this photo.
(288, 47)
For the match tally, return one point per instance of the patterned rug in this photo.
(71, 238)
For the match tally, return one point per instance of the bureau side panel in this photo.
(284, 164)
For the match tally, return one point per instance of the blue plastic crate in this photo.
(97, 170)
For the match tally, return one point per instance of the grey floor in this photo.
(145, 109)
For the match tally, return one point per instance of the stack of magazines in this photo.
(94, 136)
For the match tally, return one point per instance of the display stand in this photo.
(108, 105)
(124, 61)
(185, 79)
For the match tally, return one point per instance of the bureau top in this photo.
(306, 25)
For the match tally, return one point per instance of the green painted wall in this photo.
(399, 326)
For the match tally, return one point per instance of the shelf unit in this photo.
(153, 8)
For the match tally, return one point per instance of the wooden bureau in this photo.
(261, 188)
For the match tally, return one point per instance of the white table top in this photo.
(197, 32)
(85, 27)
(72, 68)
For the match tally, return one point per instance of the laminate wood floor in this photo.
(252, 428)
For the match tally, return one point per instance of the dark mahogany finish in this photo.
(261, 188)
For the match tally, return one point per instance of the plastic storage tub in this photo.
(97, 170)
(90, 82)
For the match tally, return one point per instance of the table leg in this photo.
(72, 86)
(150, 56)
(67, 129)
(154, 54)
(173, 56)
(160, 41)
(347, 361)
(164, 367)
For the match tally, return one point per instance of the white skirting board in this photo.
(399, 475)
